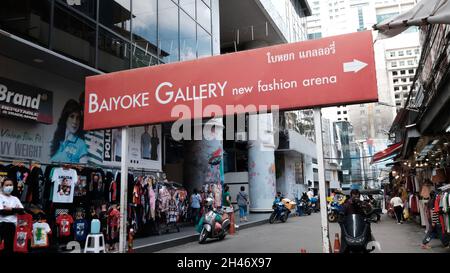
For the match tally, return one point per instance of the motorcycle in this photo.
(280, 212)
(302, 207)
(334, 208)
(314, 204)
(356, 233)
(214, 226)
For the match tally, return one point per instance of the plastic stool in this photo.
(95, 243)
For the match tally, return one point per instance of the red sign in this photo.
(317, 73)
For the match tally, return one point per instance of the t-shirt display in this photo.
(41, 231)
(81, 229)
(21, 238)
(64, 181)
(64, 222)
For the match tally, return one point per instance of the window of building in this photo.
(116, 15)
(395, 80)
(393, 64)
(345, 119)
(405, 88)
(396, 88)
(411, 79)
(204, 43)
(402, 63)
(410, 62)
(345, 112)
(392, 53)
(87, 7)
(339, 118)
(401, 53)
(411, 71)
(188, 6)
(397, 96)
(29, 19)
(144, 25)
(74, 36)
(362, 112)
(402, 72)
(188, 42)
(113, 52)
(204, 15)
(398, 104)
(409, 52)
(403, 79)
(416, 51)
(394, 73)
(338, 112)
(168, 31)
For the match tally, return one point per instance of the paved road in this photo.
(304, 232)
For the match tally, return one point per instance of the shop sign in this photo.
(25, 102)
(317, 73)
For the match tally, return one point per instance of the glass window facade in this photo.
(187, 37)
(115, 34)
(73, 35)
(28, 19)
(168, 31)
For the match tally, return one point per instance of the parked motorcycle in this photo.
(302, 207)
(334, 209)
(214, 226)
(314, 204)
(356, 233)
(280, 212)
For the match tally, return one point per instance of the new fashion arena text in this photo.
(164, 94)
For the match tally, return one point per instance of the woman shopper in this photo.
(196, 200)
(10, 206)
(397, 204)
(242, 201)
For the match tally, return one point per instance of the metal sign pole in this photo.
(123, 191)
(322, 193)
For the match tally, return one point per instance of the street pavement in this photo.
(304, 232)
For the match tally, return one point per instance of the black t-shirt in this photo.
(36, 187)
(130, 186)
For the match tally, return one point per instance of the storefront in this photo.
(63, 175)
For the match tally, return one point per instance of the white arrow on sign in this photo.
(354, 66)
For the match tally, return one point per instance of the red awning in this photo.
(389, 151)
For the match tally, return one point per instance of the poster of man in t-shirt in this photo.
(145, 143)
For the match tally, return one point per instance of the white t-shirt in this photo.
(64, 185)
(396, 201)
(40, 234)
(10, 202)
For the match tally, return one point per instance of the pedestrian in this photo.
(242, 201)
(226, 202)
(196, 200)
(10, 206)
(397, 204)
(435, 229)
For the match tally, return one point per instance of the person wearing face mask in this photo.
(10, 206)
(68, 143)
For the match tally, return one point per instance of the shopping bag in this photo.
(405, 214)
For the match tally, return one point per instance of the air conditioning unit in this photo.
(241, 136)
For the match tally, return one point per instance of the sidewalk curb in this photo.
(154, 247)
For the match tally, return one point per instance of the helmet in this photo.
(209, 201)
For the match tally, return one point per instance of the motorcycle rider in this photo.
(278, 198)
(354, 205)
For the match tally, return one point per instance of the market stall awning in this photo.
(425, 12)
(387, 153)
